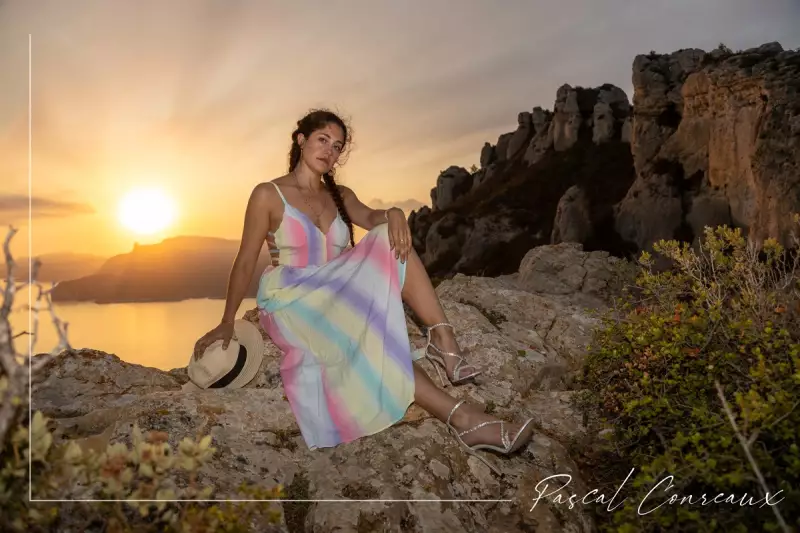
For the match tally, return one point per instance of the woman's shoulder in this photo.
(266, 190)
(280, 181)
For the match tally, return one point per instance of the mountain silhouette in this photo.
(178, 268)
(58, 266)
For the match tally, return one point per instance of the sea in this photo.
(155, 334)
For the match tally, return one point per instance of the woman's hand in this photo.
(223, 332)
(399, 233)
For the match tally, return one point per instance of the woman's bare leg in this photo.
(438, 403)
(418, 292)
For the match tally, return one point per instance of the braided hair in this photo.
(307, 125)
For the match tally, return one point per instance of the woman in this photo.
(335, 308)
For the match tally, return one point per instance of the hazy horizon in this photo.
(200, 97)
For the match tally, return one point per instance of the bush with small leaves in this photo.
(726, 313)
(148, 470)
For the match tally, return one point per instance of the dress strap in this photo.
(279, 192)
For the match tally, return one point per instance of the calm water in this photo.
(160, 334)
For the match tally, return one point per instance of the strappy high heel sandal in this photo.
(438, 360)
(509, 446)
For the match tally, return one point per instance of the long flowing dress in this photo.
(337, 315)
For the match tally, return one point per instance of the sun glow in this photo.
(146, 211)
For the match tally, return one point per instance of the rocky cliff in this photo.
(527, 331)
(711, 138)
(716, 140)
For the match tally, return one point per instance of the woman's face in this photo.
(322, 148)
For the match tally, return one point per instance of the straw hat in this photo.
(231, 368)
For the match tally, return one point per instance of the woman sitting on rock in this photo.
(335, 308)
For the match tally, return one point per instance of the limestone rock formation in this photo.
(520, 138)
(487, 155)
(567, 119)
(712, 138)
(715, 140)
(528, 341)
(573, 221)
(451, 183)
(609, 114)
(420, 222)
(487, 235)
(542, 138)
(444, 240)
(501, 148)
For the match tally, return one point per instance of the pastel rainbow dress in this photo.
(336, 314)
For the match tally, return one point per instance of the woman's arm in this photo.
(256, 226)
(360, 214)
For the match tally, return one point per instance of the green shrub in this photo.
(726, 313)
(149, 470)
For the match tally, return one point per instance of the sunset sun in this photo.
(146, 211)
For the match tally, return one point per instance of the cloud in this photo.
(406, 205)
(16, 206)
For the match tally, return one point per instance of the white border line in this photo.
(345, 500)
(30, 352)
(30, 283)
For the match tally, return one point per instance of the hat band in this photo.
(226, 380)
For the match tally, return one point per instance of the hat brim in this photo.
(251, 339)
(248, 337)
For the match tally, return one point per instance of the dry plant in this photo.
(746, 444)
(16, 370)
(129, 489)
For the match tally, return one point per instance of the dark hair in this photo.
(307, 125)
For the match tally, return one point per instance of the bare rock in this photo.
(485, 238)
(712, 131)
(566, 269)
(573, 218)
(488, 155)
(527, 344)
(567, 118)
(452, 183)
(651, 210)
(501, 148)
(444, 240)
(419, 222)
(483, 175)
(540, 119)
(92, 373)
(542, 139)
(627, 129)
(603, 120)
(521, 137)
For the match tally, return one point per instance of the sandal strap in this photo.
(453, 410)
(503, 433)
(462, 362)
(448, 324)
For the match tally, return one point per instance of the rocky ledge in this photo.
(527, 331)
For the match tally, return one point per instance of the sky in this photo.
(200, 97)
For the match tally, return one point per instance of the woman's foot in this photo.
(466, 417)
(443, 341)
